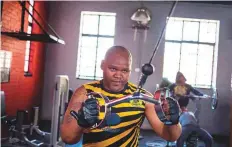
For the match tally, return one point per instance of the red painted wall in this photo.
(22, 92)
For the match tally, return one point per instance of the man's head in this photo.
(180, 79)
(116, 68)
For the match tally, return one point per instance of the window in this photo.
(28, 43)
(97, 31)
(191, 48)
(5, 64)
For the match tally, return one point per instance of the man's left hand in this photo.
(171, 110)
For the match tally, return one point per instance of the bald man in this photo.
(116, 68)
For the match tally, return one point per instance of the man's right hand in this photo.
(87, 116)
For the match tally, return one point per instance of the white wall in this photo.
(61, 59)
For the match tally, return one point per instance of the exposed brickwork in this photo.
(22, 92)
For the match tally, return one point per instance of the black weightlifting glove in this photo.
(171, 111)
(87, 116)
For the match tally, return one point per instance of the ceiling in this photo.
(212, 2)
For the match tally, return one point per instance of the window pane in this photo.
(29, 19)
(208, 32)
(171, 60)
(188, 61)
(29, 30)
(104, 44)
(26, 66)
(89, 41)
(27, 46)
(90, 24)
(1, 62)
(7, 63)
(174, 30)
(26, 58)
(107, 25)
(191, 30)
(87, 71)
(2, 54)
(88, 56)
(86, 63)
(204, 65)
(8, 55)
(31, 2)
(99, 72)
(27, 52)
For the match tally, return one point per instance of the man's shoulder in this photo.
(92, 83)
(134, 87)
(132, 84)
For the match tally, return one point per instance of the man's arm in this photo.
(71, 132)
(169, 133)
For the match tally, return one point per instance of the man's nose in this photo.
(118, 74)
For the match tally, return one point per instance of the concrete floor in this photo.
(150, 139)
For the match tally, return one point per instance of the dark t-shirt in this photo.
(179, 91)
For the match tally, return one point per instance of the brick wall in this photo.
(22, 92)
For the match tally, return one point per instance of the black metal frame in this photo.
(45, 37)
(1, 8)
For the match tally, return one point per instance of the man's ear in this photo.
(102, 64)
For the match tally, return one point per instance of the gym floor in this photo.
(150, 139)
(149, 136)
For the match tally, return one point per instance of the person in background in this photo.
(188, 121)
(180, 89)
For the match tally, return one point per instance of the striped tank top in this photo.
(131, 114)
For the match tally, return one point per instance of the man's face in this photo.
(116, 71)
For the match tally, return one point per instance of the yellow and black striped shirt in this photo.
(131, 115)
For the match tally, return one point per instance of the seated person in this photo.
(189, 125)
(180, 89)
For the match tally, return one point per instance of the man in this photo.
(180, 89)
(116, 68)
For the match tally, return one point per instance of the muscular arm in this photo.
(169, 133)
(70, 131)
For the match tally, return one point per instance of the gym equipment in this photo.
(107, 104)
(190, 119)
(60, 102)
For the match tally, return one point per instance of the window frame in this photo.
(198, 42)
(97, 36)
(27, 58)
(3, 67)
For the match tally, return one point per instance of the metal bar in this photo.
(104, 36)
(23, 4)
(197, 53)
(182, 34)
(130, 97)
(162, 32)
(193, 42)
(34, 19)
(197, 64)
(49, 26)
(1, 8)
(95, 66)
